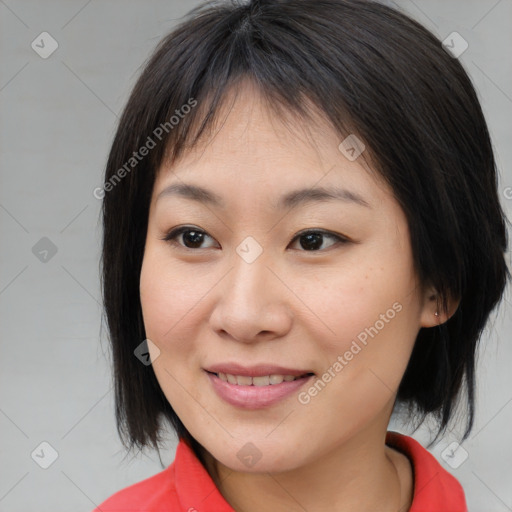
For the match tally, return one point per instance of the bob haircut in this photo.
(370, 71)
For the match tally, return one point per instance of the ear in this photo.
(432, 305)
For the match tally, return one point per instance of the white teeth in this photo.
(264, 380)
(261, 381)
(243, 380)
(277, 379)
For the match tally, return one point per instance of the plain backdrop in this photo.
(58, 119)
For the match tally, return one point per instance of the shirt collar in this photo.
(434, 488)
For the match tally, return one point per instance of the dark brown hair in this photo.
(371, 71)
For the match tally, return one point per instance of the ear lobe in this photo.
(433, 314)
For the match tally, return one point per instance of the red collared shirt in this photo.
(186, 486)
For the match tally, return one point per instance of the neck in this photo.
(359, 474)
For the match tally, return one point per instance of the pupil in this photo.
(196, 238)
(313, 241)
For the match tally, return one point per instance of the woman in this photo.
(302, 233)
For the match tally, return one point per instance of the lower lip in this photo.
(255, 397)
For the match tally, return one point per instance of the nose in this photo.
(253, 303)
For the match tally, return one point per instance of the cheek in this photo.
(168, 298)
(368, 314)
(356, 299)
(169, 301)
(374, 325)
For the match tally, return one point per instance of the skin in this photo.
(292, 307)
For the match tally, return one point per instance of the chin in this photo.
(250, 454)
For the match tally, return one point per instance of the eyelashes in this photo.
(311, 239)
(175, 233)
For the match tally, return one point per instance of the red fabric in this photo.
(186, 486)
(435, 490)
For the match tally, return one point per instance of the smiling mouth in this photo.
(262, 380)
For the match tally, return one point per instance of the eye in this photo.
(312, 240)
(191, 237)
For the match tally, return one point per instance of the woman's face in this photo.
(274, 284)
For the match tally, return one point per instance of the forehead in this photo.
(251, 146)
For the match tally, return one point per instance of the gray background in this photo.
(57, 123)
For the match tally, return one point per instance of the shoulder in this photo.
(435, 489)
(185, 486)
(154, 494)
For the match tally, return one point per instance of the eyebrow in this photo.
(290, 200)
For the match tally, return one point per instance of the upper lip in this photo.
(258, 370)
